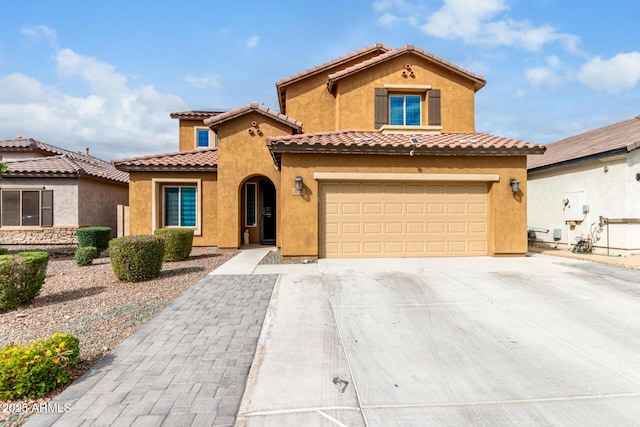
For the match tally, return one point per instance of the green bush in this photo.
(37, 368)
(136, 258)
(4, 251)
(84, 256)
(98, 237)
(177, 243)
(21, 278)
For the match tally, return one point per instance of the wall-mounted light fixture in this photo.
(298, 190)
(515, 185)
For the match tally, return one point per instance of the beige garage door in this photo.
(372, 219)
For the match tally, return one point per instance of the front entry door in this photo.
(267, 213)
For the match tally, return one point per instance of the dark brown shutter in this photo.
(46, 209)
(434, 108)
(381, 107)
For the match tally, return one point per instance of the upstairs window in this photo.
(404, 110)
(179, 207)
(202, 138)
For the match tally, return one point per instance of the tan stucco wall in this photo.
(310, 102)
(352, 106)
(507, 215)
(98, 201)
(187, 134)
(242, 156)
(355, 94)
(141, 190)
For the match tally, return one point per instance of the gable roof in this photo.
(253, 107)
(204, 160)
(282, 84)
(617, 138)
(479, 81)
(362, 142)
(57, 162)
(194, 115)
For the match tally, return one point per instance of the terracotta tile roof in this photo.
(196, 160)
(58, 161)
(623, 136)
(357, 142)
(268, 112)
(282, 84)
(479, 81)
(194, 115)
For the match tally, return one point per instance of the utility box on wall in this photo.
(573, 206)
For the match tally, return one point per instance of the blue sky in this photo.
(107, 74)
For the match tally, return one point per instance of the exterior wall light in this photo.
(515, 185)
(298, 190)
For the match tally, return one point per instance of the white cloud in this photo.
(207, 81)
(253, 41)
(39, 32)
(546, 75)
(614, 74)
(473, 22)
(113, 117)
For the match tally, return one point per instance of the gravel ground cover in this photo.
(275, 257)
(100, 310)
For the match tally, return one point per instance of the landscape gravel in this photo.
(100, 310)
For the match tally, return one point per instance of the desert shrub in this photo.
(98, 237)
(37, 368)
(84, 256)
(136, 258)
(177, 243)
(21, 278)
(3, 250)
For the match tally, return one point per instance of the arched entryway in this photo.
(258, 210)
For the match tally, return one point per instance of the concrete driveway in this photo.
(539, 340)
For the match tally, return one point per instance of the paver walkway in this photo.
(186, 366)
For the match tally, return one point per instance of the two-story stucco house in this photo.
(371, 154)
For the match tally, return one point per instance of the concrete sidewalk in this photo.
(247, 261)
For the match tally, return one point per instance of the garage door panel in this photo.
(372, 208)
(403, 219)
(352, 228)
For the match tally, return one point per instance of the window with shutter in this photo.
(26, 208)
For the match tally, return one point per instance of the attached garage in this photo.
(403, 219)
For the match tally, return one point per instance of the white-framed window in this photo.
(179, 206)
(251, 204)
(405, 110)
(26, 208)
(205, 138)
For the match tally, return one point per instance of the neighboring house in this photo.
(372, 154)
(583, 178)
(50, 192)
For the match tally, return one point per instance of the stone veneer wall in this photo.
(44, 236)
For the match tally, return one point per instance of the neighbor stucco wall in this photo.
(65, 196)
(610, 189)
(98, 203)
(242, 156)
(65, 213)
(141, 189)
(355, 96)
(507, 211)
